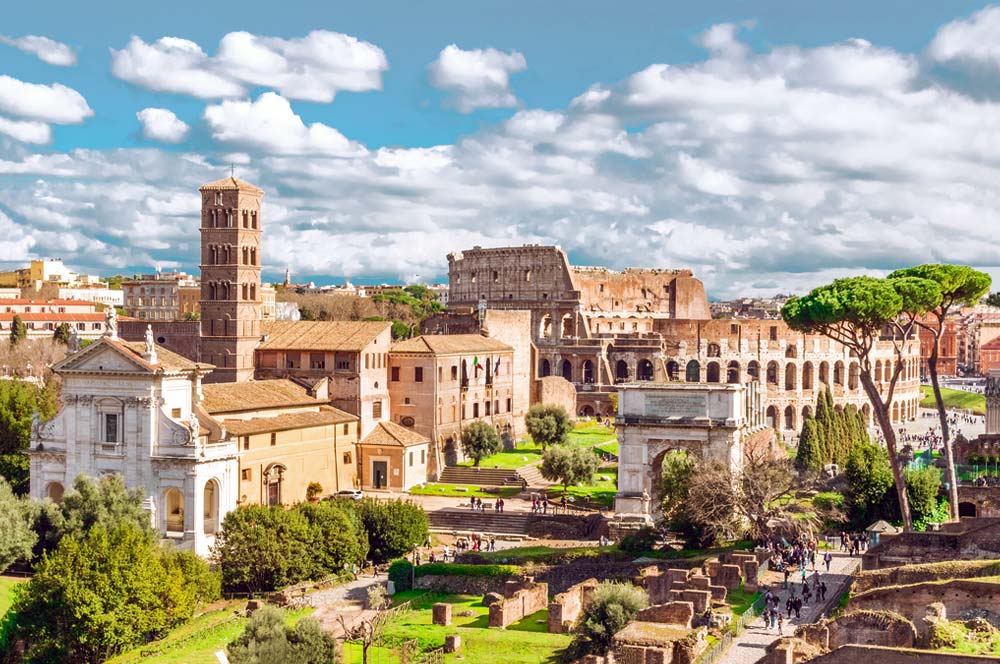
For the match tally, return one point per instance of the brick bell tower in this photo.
(230, 278)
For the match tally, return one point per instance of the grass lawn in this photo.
(740, 600)
(198, 640)
(524, 642)
(956, 637)
(601, 492)
(454, 490)
(525, 452)
(7, 584)
(610, 447)
(954, 399)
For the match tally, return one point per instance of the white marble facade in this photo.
(132, 409)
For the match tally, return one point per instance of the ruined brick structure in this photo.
(599, 328)
(520, 599)
(969, 539)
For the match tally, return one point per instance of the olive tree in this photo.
(858, 312)
(548, 424)
(480, 440)
(567, 465)
(960, 286)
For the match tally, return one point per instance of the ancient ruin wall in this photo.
(962, 600)
(565, 609)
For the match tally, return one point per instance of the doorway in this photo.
(380, 474)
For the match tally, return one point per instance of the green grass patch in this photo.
(611, 447)
(956, 637)
(7, 585)
(954, 399)
(601, 492)
(526, 451)
(740, 601)
(524, 642)
(462, 490)
(199, 639)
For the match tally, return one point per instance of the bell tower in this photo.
(230, 278)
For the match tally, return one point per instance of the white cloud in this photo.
(160, 124)
(54, 103)
(270, 124)
(479, 78)
(311, 68)
(974, 40)
(45, 49)
(26, 131)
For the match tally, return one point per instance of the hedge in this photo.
(457, 569)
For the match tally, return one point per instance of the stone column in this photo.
(993, 402)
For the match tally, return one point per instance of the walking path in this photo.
(749, 646)
(346, 600)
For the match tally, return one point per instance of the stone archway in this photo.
(653, 482)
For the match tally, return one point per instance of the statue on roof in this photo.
(111, 322)
(150, 354)
(194, 427)
(73, 344)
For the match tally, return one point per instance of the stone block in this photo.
(729, 576)
(452, 642)
(659, 656)
(699, 582)
(718, 593)
(671, 613)
(700, 599)
(441, 614)
(680, 575)
(712, 566)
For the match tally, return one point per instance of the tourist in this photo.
(563, 503)
(781, 622)
(797, 605)
(822, 591)
(827, 559)
(545, 505)
(787, 573)
(789, 606)
(493, 543)
(500, 505)
(445, 554)
(774, 618)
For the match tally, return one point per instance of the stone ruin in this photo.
(657, 643)
(441, 614)
(520, 599)
(565, 608)
(870, 628)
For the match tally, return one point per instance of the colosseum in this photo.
(598, 328)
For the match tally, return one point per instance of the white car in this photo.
(350, 494)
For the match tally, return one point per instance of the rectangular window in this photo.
(487, 407)
(411, 459)
(246, 442)
(463, 411)
(508, 404)
(175, 413)
(418, 374)
(290, 362)
(377, 409)
(347, 458)
(366, 360)
(246, 474)
(347, 428)
(496, 406)
(423, 456)
(454, 372)
(774, 333)
(110, 427)
(317, 360)
(274, 439)
(344, 365)
(440, 374)
(406, 400)
(475, 409)
(394, 377)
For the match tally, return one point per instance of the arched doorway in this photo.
(543, 371)
(588, 372)
(712, 372)
(693, 372)
(824, 373)
(210, 501)
(806, 412)
(854, 378)
(673, 370)
(772, 417)
(174, 501)
(789, 417)
(772, 373)
(621, 371)
(54, 492)
(733, 372)
(567, 370)
(587, 411)
(566, 329)
(644, 370)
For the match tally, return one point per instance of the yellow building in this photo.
(393, 458)
(286, 439)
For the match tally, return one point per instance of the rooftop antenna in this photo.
(232, 170)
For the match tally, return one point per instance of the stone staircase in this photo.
(533, 477)
(480, 476)
(462, 521)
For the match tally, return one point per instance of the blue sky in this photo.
(716, 162)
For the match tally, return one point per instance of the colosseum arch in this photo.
(854, 377)
(712, 372)
(567, 370)
(545, 328)
(587, 372)
(621, 371)
(733, 372)
(644, 371)
(566, 326)
(824, 373)
(772, 373)
(544, 370)
(790, 376)
(692, 373)
(877, 376)
(753, 369)
(789, 417)
(771, 417)
(673, 370)
(838, 373)
(807, 376)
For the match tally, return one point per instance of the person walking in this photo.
(781, 623)
(827, 559)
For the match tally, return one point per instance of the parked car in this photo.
(350, 494)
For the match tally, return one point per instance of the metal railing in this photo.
(716, 651)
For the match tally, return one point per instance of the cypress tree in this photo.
(807, 457)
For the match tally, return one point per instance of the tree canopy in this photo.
(548, 424)
(568, 464)
(267, 639)
(480, 440)
(17, 537)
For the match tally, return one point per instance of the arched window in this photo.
(712, 373)
(693, 372)
(772, 373)
(673, 370)
(753, 369)
(733, 372)
(807, 376)
(54, 492)
(588, 372)
(567, 370)
(645, 370)
(878, 371)
(772, 417)
(621, 371)
(210, 504)
(838, 373)
(545, 331)
(854, 378)
(806, 412)
(174, 501)
(566, 329)
(714, 350)
(544, 370)
(824, 373)
(790, 376)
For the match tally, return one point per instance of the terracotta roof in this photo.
(321, 335)
(992, 344)
(254, 395)
(55, 302)
(46, 317)
(255, 425)
(390, 434)
(166, 359)
(448, 344)
(229, 184)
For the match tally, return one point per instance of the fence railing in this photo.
(715, 652)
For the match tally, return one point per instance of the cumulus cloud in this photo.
(759, 170)
(45, 49)
(969, 41)
(479, 78)
(270, 124)
(311, 68)
(54, 103)
(160, 124)
(26, 131)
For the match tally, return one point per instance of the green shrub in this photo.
(457, 569)
(399, 573)
(644, 540)
(611, 607)
(828, 500)
(394, 527)
(267, 639)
